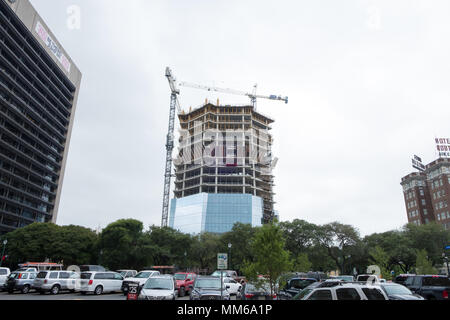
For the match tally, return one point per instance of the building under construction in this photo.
(223, 169)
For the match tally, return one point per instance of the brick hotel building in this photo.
(427, 194)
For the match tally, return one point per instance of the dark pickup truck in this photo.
(429, 287)
(294, 286)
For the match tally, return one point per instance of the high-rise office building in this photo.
(427, 194)
(39, 85)
(223, 170)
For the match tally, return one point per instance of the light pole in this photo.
(185, 265)
(5, 242)
(229, 255)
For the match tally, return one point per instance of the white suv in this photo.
(98, 282)
(344, 291)
(4, 274)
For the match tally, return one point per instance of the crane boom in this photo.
(253, 96)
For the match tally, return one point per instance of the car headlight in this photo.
(170, 297)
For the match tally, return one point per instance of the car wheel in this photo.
(182, 292)
(98, 290)
(26, 289)
(55, 290)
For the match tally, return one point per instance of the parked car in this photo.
(39, 266)
(183, 281)
(99, 282)
(162, 287)
(209, 288)
(397, 291)
(365, 277)
(401, 278)
(55, 281)
(87, 268)
(343, 278)
(255, 291)
(233, 286)
(294, 286)
(139, 278)
(319, 284)
(431, 287)
(20, 280)
(228, 274)
(345, 291)
(4, 274)
(127, 273)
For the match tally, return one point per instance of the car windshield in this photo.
(208, 284)
(393, 289)
(3, 272)
(159, 284)
(251, 287)
(85, 275)
(180, 276)
(142, 275)
(344, 278)
(302, 294)
(217, 273)
(436, 281)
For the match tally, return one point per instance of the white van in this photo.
(100, 282)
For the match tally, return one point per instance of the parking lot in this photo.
(68, 296)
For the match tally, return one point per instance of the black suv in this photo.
(430, 287)
(209, 288)
(294, 286)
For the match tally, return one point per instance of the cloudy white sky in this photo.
(368, 83)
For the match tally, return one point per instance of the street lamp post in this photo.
(5, 242)
(229, 255)
(185, 265)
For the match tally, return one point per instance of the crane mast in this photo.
(169, 146)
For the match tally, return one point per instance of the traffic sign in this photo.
(222, 261)
(133, 291)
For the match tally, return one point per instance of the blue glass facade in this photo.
(216, 213)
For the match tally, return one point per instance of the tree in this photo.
(380, 258)
(270, 259)
(339, 240)
(119, 244)
(204, 251)
(240, 238)
(423, 264)
(71, 245)
(302, 263)
(169, 245)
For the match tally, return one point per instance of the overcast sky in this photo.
(368, 85)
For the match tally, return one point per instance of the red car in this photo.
(184, 280)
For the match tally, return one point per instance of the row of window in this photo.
(439, 194)
(55, 78)
(443, 216)
(441, 205)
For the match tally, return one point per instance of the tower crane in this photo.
(174, 104)
(253, 96)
